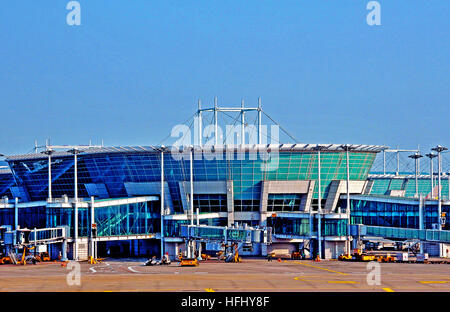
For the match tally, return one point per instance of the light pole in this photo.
(448, 177)
(49, 153)
(416, 158)
(439, 149)
(319, 148)
(191, 183)
(75, 153)
(347, 148)
(161, 150)
(431, 156)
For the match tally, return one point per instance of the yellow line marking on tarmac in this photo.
(313, 266)
(434, 282)
(128, 290)
(209, 290)
(302, 279)
(388, 290)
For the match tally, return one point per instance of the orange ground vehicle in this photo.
(189, 262)
(385, 258)
(5, 260)
(206, 257)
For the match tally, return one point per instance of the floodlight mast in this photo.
(348, 148)
(161, 199)
(431, 156)
(319, 148)
(75, 153)
(49, 153)
(416, 158)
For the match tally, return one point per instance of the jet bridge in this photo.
(226, 234)
(17, 239)
(195, 234)
(436, 236)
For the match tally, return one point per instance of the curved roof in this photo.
(86, 150)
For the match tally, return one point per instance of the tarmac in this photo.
(251, 275)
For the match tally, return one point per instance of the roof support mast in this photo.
(199, 114)
(215, 121)
(259, 121)
(241, 110)
(242, 123)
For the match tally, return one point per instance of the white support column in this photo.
(348, 201)
(439, 149)
(75, 176)
(75, 235)
(92, 222)
(417, 173)
(431, 177)
(75, 243)
(421, 227)
(439, 190)
(384, 161)
(50, 177)
(162, 203)
(16, 213)
(191, 178)
(319, 210)
(431, 156)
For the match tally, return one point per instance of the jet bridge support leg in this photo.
(64, 251)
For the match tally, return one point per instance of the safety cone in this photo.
(279, 259)
(317, 258)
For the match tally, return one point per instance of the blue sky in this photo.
(134, 69)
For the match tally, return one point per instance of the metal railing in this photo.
(47, 235)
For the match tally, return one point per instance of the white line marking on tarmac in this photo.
(132, 270)
(92, 270)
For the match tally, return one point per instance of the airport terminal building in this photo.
(299, 191)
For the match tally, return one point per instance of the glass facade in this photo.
(301, 226)
(289, 226)
(391, 214)
(136, 218)
(172, 227)
(7, 216)
(6, 181)
(382, 186)
(283, 202)
(334, 227)
(210, 202)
